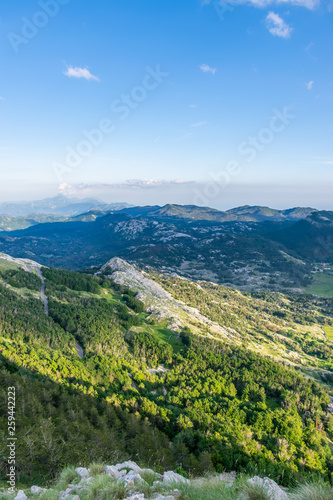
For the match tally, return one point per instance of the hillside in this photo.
(311, 238)
(226, 253)
(110, 367)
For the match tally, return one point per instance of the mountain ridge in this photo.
(58, 205)
(245, 213)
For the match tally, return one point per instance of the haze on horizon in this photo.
(169, 102)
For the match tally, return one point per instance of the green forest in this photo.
(214, 406)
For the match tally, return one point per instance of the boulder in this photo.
(128, 465)
(36, 490)
(270, 486)
(162, 497)
(82, 472)
(21, 495)
(112, 471)
(147, 471)
(173, 477)
(136, 496)
(85, 480)
(131, 479)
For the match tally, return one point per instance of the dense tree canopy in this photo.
(212, 406)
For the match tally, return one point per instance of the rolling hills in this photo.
(237, 253)
(311, 238)
(241, 214)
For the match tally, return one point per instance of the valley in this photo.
(239, 255)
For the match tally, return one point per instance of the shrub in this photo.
(313, 491)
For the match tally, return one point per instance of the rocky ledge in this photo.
(133, 480)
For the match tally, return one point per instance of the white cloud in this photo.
(308, 4)
(309, 84)
(67, 189)
(207, 69)
(2, 98)
(80, 73)
(277, 26)
(198, 124)
(193, 106)
(148, 183)
(85, 188)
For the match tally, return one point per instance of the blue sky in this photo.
(168, 101)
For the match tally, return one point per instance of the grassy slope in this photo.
(287, 327)
(329, 332)
(322, 285)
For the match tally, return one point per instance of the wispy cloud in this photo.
(309, 46)
(277, 26)
(2, 98)
(150, 183)
(198, 124)
(138, 184)
(207, 69)
(193, 106)
(80, 73)
(309, 85)
(68, 189)
(308, 4)
(322, 160)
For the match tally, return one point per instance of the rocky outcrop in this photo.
(160, 303)
(170, 477)
(21, 496)
(274, 491)
(330, 406)
(134, 478)
(82, 472)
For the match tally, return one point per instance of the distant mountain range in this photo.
(254, 255)
(70, 207)
(246, 213)
(250, 247)
(16, 216)
(59, 205)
